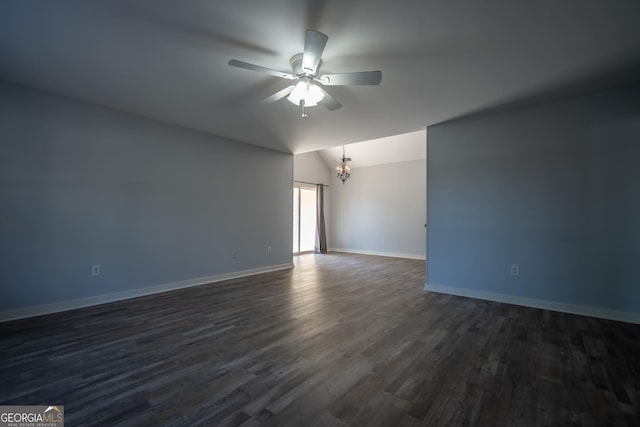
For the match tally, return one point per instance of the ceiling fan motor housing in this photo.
(296, 66)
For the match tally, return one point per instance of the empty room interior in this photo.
(320, 213)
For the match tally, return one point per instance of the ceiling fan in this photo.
(309, 90)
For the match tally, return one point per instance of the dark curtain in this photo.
(321, 235)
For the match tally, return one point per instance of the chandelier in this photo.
(344, 172)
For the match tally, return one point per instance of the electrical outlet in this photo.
(515, 270)
(234, 254)
(268, 250)
(95, 270)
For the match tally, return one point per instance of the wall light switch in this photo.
(95, 270)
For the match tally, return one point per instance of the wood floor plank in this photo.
(339, 340)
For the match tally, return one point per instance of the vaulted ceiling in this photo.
(167, 59)
(389, 149)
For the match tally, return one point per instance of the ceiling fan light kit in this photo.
(306, 92)
(309, 90)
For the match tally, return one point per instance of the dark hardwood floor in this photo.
(338, 340)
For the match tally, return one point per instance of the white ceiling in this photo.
(167, 59)
(390, 149)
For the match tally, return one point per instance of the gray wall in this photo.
(554, 188)
(381, 210)
(152, 203)
(309, 167)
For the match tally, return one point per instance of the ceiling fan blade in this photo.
(314, 44)
(258, 68)
(358, 78)
(278, 95)
(329, 101)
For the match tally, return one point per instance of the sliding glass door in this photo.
(304, 218)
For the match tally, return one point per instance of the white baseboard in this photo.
(39, 310)
(376, 253)
(584, 310)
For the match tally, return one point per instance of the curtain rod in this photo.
(310, 183)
